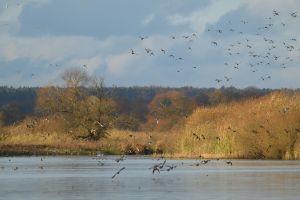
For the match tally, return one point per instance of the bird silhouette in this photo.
(214, 43)
(227, 78)
(218, 80)
(171, 167)
(143, 37)
(122, 158)
(275, 13)
(196, 136)
(148, 50)
(118, 172)
(229, 163)
(158, 167)
(294, 14)
(132, 52)
(205, 161)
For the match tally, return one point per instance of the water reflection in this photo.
(84, 178)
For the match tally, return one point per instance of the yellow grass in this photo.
(260, 128)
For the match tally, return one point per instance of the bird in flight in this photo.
(229, 163)
(132, 52)
(215, 43)
(205, 161)
(218, 80)
(148, 50)
(118, 172)
(275, 13)
(236, 67)
(120, 159)
(143, 37)
(158, 167)
(227, 78)
(294, 14)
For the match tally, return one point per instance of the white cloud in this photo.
(89, 64)
(156, 42)
(148, 19)
(198, 19)
(288, 77)
(10, 13)
(117, 64)
(50, 48)
(266, 6)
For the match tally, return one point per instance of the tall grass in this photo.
(267, 127)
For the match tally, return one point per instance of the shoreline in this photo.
(45, 150)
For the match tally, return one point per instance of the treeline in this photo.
(16, 103)
(133, 102)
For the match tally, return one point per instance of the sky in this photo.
(174, 43)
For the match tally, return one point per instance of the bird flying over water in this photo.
(118, 172)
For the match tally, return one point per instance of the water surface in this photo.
(87, 178)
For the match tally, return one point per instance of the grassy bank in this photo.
(13, 141)
(264, 128)
(268, 127)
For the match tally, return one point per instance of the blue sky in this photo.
(241, 43)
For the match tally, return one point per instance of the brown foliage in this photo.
(169, 109)
(85, 116)
(261, 128)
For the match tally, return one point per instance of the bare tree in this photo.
(75, 77)
(87, 112)
(97, 84)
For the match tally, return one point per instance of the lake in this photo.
(89, 178)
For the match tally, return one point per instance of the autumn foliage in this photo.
(84, 117)
(168, 110)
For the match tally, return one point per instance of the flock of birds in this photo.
(257, 50)
(159, 166)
